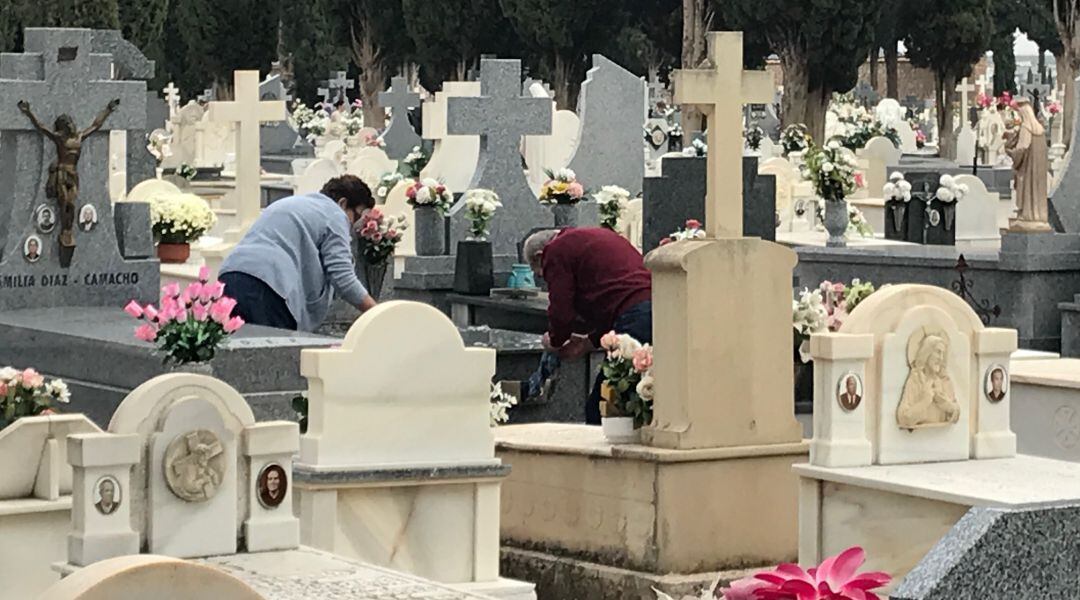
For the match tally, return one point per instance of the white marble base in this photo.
(818, 238)
(898, 512)
(33, 534)
(503, 589)
(1046, 407)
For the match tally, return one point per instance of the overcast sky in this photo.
(1024, 46)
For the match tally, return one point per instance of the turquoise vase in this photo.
(521, 277)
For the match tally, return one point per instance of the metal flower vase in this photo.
(430, 231)
(836, 223)
(566, 215)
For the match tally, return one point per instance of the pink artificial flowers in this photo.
(834, 579)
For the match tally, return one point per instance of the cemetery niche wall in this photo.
(61, 288)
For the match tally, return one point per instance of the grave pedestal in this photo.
(580, 514)
(1045, 406)
(898, 512)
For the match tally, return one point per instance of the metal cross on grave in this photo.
(400, 137)
(339, 82)
(247, 111)
(964, 88)
(502, 117)
(60, 80)
(720, 92)
(172, 96)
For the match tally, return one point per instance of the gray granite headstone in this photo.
(612, 108)
(501, 116)
(679, 195)
(339, 85)
(1001, 554)
(1065, 198)
(60, 75)
(400, 137)
(279, 137)
(131, 64)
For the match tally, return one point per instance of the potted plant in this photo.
(189, 326)
(627, 388)
(897, 194)
(795, 139)
(832, 171)
(611, 200)
(179, 220)
(26, 394)
(562, 192)
(474, 269)
(941, 212)
(430, 201)
(379, 234)
(501, 403)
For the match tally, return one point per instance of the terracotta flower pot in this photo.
(173, 253)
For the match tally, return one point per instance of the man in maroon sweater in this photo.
(597, 282)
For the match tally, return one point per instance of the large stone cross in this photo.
(501, 117)
(247, 111)
(59, 75)
(172, 96)
(339, 82)
(964, 88)
(400, 137)
(982, 83)
(720, 92)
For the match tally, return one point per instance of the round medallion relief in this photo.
(195, 465)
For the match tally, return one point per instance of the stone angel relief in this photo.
(195, 465)
(929, 398)
(63, 183)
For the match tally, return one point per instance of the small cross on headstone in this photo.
(400, 137)
(340, 83)
(981, 83)
(501, 117)
(324, 93)
(964, 88)
(172, 96)
(247, 111)
(720, 92)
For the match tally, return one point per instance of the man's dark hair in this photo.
(356, 193)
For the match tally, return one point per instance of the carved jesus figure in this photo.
(928, 398)
(63, 183)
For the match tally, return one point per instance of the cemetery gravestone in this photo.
(159, 577)
(965, 138)
(114, 259)
(1064, 202)
(612, 111)
(501, 117)
(399, 136)
(338, 87)
(279, 137)
(454, 159)
(551, 152)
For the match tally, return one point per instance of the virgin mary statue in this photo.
(1027, 148)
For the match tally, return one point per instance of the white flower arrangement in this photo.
(832, 171)
(501, 403)
(857, 223)
(611, 200)
(180, 218)
(897, 189)
(692, 231)
(697, 148)
(950, 191)
(314, 121)
(158, 144)
(415, 161)
(809, 315)
(387, 183)
(480, 207)
(26, 393)
(430, 192)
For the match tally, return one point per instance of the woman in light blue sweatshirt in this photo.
(283, 272)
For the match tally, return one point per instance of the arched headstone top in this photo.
(148, 576)
(881, 311)
(143, 407)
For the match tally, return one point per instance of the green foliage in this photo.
(93, 14)
(314, 42)
(191, 341)
(450, 35)
(1007, 17)
(142, 22)
(951, 37)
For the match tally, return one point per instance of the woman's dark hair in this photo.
(356, 193)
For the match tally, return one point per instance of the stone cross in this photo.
(60, 75)
(982, 83)
(324, 93)
(400, 137)
(501, 117)
(247, 111)
(172, 96)
(964, 88)
(339, 82)
(720, 92)
(207, 95)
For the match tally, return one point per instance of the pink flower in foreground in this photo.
(693, 224)
(150, 312)
(859, 181)
(3, 389)
(233, 324)
(134, 309)
(204, 274)
(200, 312)
(171, 291)
(222, 310)
(575, 190)
(146, 333)
(610, 342)
(32, 378)
(743, 589)
(643, 359)
(835, 579)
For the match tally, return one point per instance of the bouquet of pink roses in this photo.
(627, 378)
(379, 235)
(26, 393)
(190, 324)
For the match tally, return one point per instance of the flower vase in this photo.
(474, 270)
(916, 221)
(173, 253)
(896, 215)
(566, 215)
(430, 231)
(620, 430)
(940, 217)
(196, 368)
(373, 276)
(836, 223)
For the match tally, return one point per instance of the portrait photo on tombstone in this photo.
(272, 485)
(997, 383)
(850, 391)
(107, 495)
(45, 219)
(32, 249)
(88, 217)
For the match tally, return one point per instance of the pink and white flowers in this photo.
(25, 393)
(480, 207)
(692, 231)
(562, 187)
(628, 378)
(379, 234)
(189, 325)
(834, 579)
(429, 192)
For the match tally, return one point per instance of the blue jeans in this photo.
(256, 302)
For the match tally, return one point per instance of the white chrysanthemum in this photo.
(947, 181)
(945, 194)
(628, 346)
(7, 374)
(58, 390)
(890, 191)
(827, 167)
(905, 187)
